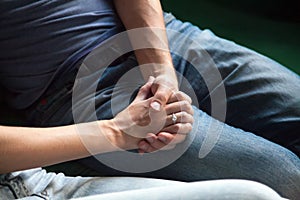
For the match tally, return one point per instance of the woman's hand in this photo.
(139, 118)
(179, 104)
(140, 122)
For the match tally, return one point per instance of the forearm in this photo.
(24, 148)
(143, 14)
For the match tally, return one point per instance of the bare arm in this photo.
(146, 16)
(148, 13)
(24, 148)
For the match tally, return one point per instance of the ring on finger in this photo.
(174, 118)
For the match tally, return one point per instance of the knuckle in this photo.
(186, 129)
(184, 96)
(161, 96)
(189, 127)
(180, 95)
(185, 116)
(143, 88)
(185, 105)
(177, 128)
(179, 139)
(190, 119)
(175, 95)
(189, 109)
(189, 99)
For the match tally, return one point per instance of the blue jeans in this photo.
(37, 184)
(262, 116)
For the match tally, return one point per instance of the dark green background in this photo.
(269, 27)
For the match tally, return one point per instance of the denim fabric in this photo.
(223, 189)
(237, 154)
(41, 185)
(38, 184)
(262, 97)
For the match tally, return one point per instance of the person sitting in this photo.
(79, 62)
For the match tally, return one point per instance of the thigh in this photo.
(213, 150)
(232, 189)
(218, 151)
(38, 184)
(261, 96)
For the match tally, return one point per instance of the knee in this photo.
(282, 170)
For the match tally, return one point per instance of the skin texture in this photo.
(24, 148)
(148, 14)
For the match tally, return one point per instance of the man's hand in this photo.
(179, 104)
(155, 61)
(164, 86)
(146, 17)
(139, 121)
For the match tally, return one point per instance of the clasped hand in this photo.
(149, 126)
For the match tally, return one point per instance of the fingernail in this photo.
(155, 105)
(162, 138)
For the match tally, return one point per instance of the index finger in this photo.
(179, 96)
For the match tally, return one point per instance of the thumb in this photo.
(145, 90)
(160, 97)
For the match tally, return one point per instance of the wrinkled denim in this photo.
(262, 117)
(36, 184)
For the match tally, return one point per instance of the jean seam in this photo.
(16, 186)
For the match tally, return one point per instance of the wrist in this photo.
(119, 139)
(154, 62)
(110, 133)
(156, 70)
(95, 136)
(168, 78)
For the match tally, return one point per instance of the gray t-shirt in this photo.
(42, 40)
